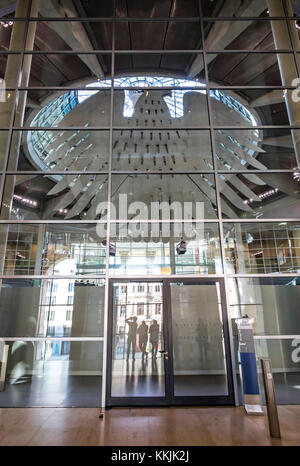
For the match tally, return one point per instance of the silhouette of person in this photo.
(143, 338)
(131, 336)
(154, 337)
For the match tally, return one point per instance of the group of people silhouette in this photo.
(143, 331)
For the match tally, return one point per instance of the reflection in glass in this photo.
(142, 249)
(259, 69)
(56, 308)
(57, 69)
(261, 149)
(285, 360)
(273, 303)
(186, 196)
(198, 341)
(262, 247)
(52, 373)
(137, 366)
(59, 35)
(51, 250)
(241, 35)
(261, 195)
(165, 35)
(53, 197)
(164, 108)
(152, 150)
(61, 151)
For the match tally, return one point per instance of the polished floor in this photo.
(63, 390)
(144, 426)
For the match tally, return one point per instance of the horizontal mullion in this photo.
(142, 88)
(275, 337)
(243, 51)
(51, 338)
(263, 275)
(267, 88)
(144, 128)
(142, 51)
(157, 19)
(146, 172)
(110, 51)
(134, 221)
(95, 222)
(108, 88)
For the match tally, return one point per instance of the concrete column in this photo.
(286, 64)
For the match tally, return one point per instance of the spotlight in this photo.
(112, 248)
(181, 247)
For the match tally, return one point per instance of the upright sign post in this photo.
(248, 366)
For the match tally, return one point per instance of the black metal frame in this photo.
(170, 399)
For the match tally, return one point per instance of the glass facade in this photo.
(126, 130)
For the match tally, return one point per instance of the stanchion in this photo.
(3, 359)
(270, 398)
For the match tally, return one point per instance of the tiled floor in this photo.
(144, 426)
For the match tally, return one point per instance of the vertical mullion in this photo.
(106, 297)
(219, 207)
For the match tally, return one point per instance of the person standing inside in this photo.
(131, 336)
(154, 337)
(143, 338)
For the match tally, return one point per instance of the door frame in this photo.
(216, 400)
(135, 400)
(169, 399)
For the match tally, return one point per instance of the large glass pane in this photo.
(284, 355)
(7, 25)
(252, 69)
(5, 138)
(174, 150)
(236, 9)
(57, 308)
(68, 35)
(89, 9)
(52, 373)
(181, 8)
(137, 364)
(19, 249)
(241, 35)
(164, 108)
(60, 69)
(271, 302)
(57, 109)
(251, 107)
(154, 35)
(198, 340)
(260, 196)
(59, 150)
(140, 249)
(166, 64)
(53, 197)
(55, 249)
(262, 247)
(238, 149)
(164, 196)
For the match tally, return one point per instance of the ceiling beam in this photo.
(223, 33)
(73, 32)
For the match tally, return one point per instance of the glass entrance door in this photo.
(201, 367)
(168, 343)
(138, 360)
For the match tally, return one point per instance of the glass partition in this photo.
(51, 307)
(56, 373)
